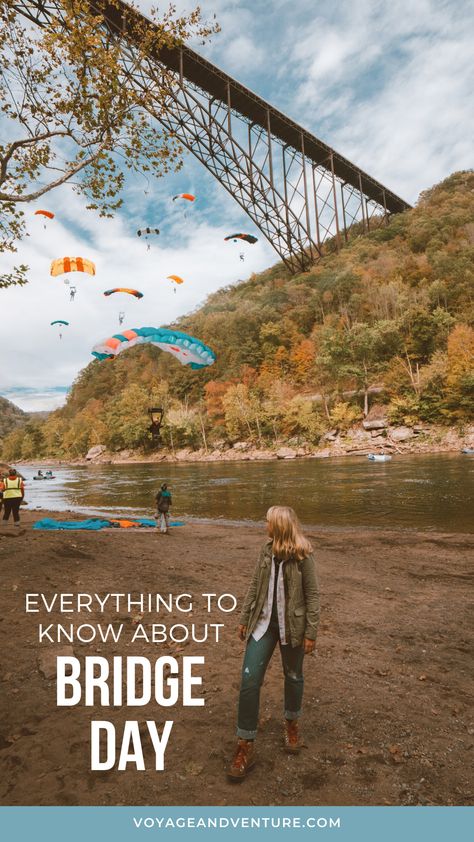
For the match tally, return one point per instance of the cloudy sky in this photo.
(387, 83)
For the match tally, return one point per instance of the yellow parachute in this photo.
(72, 264)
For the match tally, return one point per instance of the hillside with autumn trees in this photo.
(389, 318)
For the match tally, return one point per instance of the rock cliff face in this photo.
(94, 452)
(401, 433)
(376, 419)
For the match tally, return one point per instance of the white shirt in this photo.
(264, 619)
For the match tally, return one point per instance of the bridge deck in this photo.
(213, 80)
(219, 84)
(299, 197)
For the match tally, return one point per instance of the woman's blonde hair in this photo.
(287, 535)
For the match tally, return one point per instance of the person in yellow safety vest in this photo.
(13, 492)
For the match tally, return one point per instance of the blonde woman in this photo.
(281, 606)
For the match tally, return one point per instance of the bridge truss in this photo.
(297, 190)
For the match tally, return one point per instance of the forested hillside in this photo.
(392, 313)
(10, 416)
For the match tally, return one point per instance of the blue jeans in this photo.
(256, 660)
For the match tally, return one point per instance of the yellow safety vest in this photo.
(12, 488)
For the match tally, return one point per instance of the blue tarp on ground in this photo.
(94, 523)
(91, 523)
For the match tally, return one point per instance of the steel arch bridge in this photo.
(297, 190)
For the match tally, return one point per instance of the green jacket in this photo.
(301, 596)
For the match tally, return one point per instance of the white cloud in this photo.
(36, 400)
(38, 359)
(242, 53)
(389, 86)
(418, 130)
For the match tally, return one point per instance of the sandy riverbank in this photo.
(387, 695)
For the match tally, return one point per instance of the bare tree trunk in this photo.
(203, 433)
(325, 404)
(246, 418)
(366, 393)
(414, 378)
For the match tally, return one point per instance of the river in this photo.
(426, 492)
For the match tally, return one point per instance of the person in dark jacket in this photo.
(163, 505)
(281, 607)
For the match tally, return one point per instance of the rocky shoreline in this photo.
(372, 436)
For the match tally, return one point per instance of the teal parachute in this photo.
(186, 349)
(61, 323)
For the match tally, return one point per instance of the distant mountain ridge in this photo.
(11, 416)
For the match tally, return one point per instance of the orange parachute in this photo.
(44, 213)
(134, 292)
(175, 278)
(188, 196)
(72, 264)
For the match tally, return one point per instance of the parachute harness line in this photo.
(296, 189)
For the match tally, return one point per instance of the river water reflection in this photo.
(427, 492)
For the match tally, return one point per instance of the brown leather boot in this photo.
(293, 741)
(243, 760)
